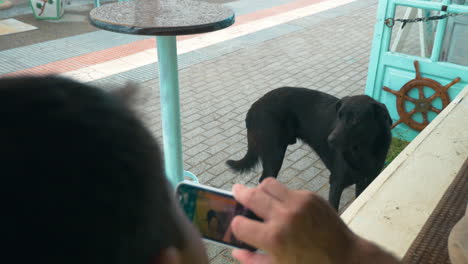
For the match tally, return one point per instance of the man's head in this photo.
(212, 220)
(82, 179)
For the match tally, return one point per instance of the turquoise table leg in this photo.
(170, 110)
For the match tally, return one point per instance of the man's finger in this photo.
(252, 232)
(261, 203)
(247, 257)
(274, 188)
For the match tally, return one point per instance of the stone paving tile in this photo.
(316, 183)
(213, 250)
(197, 159)
(297, 155)
(303, 163)
(296, 183)
(205, 177)
(309, 173)
(325, 173)
(219, 157)
(286, 175)
(286, 162)
(319, 164)
(323, 192)
(223, 258)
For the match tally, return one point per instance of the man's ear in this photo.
(127, 94)
(381, 112)
(169, 255)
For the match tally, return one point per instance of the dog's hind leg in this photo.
(272, 160)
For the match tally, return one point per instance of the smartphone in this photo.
(211, 210)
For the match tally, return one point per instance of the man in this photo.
(213, 228)
(82, 182)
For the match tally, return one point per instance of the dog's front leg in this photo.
(339, 179)
(334, 195)
(360, 187)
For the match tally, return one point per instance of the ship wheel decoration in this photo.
(423, 104)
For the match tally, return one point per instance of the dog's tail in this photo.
(248, 162)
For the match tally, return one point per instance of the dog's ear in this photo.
(339, 103)
(381, 112)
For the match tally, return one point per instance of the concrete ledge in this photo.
(393, 209)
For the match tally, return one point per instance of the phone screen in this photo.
(212, 212)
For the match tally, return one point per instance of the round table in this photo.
(165, 19)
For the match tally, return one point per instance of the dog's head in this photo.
(357, 118)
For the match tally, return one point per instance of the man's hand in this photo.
(298, 227)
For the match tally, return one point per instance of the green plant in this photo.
(396, 147)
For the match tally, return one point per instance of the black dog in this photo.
(352, 135)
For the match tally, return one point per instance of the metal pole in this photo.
(439, 36)
(170, 109)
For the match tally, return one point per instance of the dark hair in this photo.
(82, 177)
(210, 215)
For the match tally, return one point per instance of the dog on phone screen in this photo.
(351, 135)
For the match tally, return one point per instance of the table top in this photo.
(161, 17)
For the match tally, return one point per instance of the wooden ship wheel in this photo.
(423, 104)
